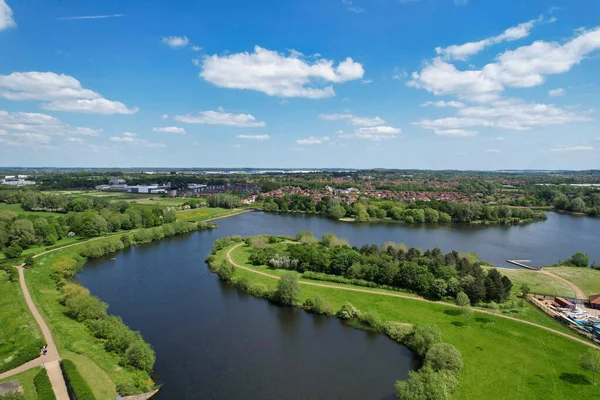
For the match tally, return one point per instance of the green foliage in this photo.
(117, 336)
(85, 307)
(579, 259)
(224, 201)
(75, 381)
(371, 320)
(444, 356)
(348, 311)
(12, 396)
(259, 290)
(29, 261)
(140, 355)
(424, 384)
(398, 331)
(423, 337)
(317, 305)
(43, 387)
(288, 289)
(226, 271)
(462, 300)
(590, 361)
(13, 251)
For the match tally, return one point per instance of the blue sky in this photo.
(429, 84)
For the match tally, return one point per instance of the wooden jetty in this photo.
(520, 264)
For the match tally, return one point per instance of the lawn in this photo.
(26, 381)
(503, 360)
(74, 341)
(20, 337)
(18, 208)
(204, 213)
(586, 278)
(538, 283)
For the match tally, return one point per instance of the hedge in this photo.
(43, 387)
(75, 382)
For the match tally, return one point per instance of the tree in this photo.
(524, 289)
(590, 361)
(13, 251)
(444, 356)
(226, 271)
(335, 210)
(287, 289)
(424, 384)
(462, 300)
(29, 261)
(140, 355)
(580, 259)
(423, 337)
(85, 307)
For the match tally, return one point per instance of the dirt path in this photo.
(579, 294)
(323, 285)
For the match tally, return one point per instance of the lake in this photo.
(214, 342)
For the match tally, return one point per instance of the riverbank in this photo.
(538, 364)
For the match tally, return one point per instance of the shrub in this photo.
(348, 311)
(140, 355)
(133, 383)
(116, 334)
(287, 289)
(372, 320)
(85, 307)
(43, 387)
(259, 290)
(226, 271)
(12, 396)
(71, 290)
(75, 381)
(580, 259)
(423, 337)
(398, 331)
(29, 261)
(243, 283)
(424, 384)
(317, 305)
(444, 357)
(64, 268)
(13, 251)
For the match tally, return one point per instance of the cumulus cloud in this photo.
(573, 148)
(170, 129)
(6, 16)
(254, 137)
(354, 120)
(35, 129)
(375, 133)
(164, 116)
(63, 92)
(443, 104)
(276, 74)
(464, 51)
(313, 140)
(526, 66)
(556, 92)
(131, 138)
(221, 118)
(175, 42)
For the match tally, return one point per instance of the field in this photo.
(586, 278)
(538, 283)
(20, 337)
(503, 360)
(204, 213)
(26, 381)
(18, 209)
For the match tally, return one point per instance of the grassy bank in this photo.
(26, 381)
(538, 283)
(586, 278)
(206, 213)
(503, 359)
(20, 337)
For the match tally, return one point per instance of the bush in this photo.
(348, 311)
(444, 357)
(424, 384)
(133, 383)
(29, 261)
(243, 283)
(287, 289)
(43, 387)
(372, 320)
(117, 336)
(259, 290)
(85, 307)
(317, 305)
(71, 290)
(13, 251)
(580, 259)
(140, 355)
(75, 381)
(64, 268)
(12, 396)
(398, 331)
(423, 337)
(226, 271)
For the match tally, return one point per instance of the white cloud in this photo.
(400, 74)
(556, 92)
(366, 81)
(354, 120)
(493, 151)
(254, 137)
(196, 48)
(221, 118)
(131, 138)
(312, 140)
(443, 104)
(36, 130)
(573, 148)
(527, 66)
(175, 42)
(375, 133)
(170, 129)
(463, 51)
(164, 116)
(454, 132)
(275, 74)
(510, 114)
(63, 92)
(352, 7)
(92, 16)
(6, 16)
(90, 106)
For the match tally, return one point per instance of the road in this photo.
(586, 342)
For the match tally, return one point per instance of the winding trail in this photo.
(579, 294)
(323, 285)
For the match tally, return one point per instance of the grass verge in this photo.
(586, 278)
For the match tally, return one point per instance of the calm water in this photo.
(213, 342)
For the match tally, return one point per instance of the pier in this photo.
(520, 264)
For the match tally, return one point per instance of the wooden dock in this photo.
(519, 263)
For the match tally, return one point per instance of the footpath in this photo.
(586, 342)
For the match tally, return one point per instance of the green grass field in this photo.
(20, 337)
(538, 283)
(26, 381)
(586, 278)
(204, 213)
(18, 208)
(503, 360)
(100, 369)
